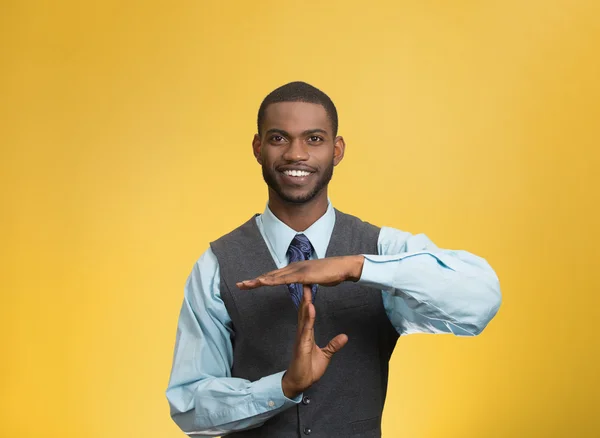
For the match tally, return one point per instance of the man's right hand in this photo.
(309, 362)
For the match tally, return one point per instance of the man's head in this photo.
(297, 144)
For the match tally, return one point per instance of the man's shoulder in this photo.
(238, 237)
(347, 220)
(240, 229)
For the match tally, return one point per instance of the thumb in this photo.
(335, 345)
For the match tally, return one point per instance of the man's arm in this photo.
(425, 289)
(204, 399)
(430, 290)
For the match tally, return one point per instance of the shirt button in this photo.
(271, 403)
(305, 400)
(307, 431)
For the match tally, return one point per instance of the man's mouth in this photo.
(296, 173)
(296, 176)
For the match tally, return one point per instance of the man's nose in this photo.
(296, 151)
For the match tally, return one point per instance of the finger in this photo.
(307, 293)
(258, 281)
(302, 308)
(306, 302)
(271, 280)
(301, 312)
(281, 279)
(335, 345)
(309, 324)
(291, 273)
(248, 284)
(263, 280)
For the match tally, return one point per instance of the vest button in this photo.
(305, 400)
(307, 431)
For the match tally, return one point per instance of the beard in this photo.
(269, 175)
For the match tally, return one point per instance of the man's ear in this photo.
(339, 146)
(256, 144)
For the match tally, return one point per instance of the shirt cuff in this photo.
(375, 273)
(267, 392)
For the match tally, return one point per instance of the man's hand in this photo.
(309, 362)
(329, 271)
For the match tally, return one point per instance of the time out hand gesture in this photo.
(309, 362)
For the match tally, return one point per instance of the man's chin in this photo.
(297, 198)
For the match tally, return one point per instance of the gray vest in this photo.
(349, 398)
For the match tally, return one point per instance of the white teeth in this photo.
(296, 173)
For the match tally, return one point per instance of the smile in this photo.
(296, 177)
(296, 173)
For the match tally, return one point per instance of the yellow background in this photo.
(125, 135)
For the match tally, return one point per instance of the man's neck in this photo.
(298, 217)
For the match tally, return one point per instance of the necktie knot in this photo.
(300, 246)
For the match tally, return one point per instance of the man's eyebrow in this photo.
(304, 133)
(277, 131)
(314, 131)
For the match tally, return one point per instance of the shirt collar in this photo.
(280, 235)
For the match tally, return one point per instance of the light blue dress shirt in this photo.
(424, 290)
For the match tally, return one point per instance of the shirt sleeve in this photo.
(430, 290)
(204, 399)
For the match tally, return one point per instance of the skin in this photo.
(300, 135)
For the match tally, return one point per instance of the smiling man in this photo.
(289, 321)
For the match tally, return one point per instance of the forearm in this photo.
(450, 286)
(203, 396)
(217, 406)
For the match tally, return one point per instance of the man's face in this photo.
(297, 150)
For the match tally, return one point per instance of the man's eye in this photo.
(315, 138)
(276, 138)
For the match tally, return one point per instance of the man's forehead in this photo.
(296, 116)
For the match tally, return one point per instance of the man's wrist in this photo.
(357, 263)
(288, 389)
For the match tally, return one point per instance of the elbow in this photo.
(489, 299)
(474, 304)
(184, 414)
(192, 426)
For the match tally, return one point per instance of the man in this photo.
(261, 300)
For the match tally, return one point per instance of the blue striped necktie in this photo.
(299, 250)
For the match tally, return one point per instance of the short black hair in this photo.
(299, 92)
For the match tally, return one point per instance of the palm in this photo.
(309, 361)
(319, 361)
(329, 271)
(314, 359)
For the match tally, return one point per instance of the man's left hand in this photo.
(329, 271)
